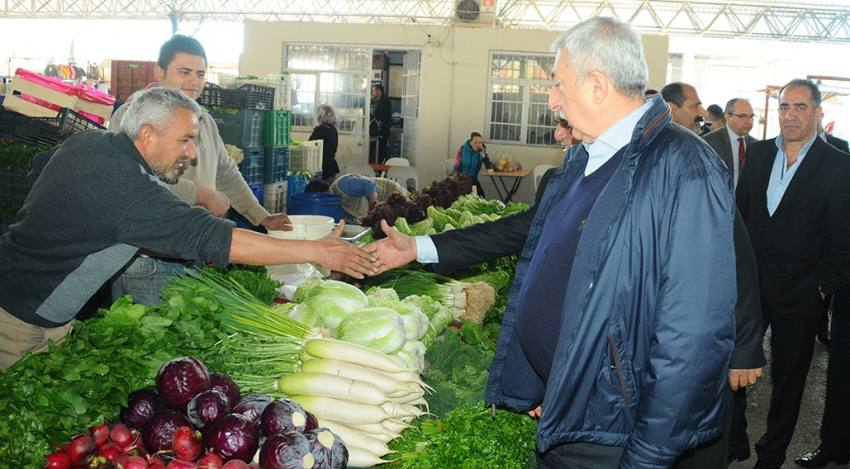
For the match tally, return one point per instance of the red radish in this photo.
(155, 460)
(109, 450)
(209, 461)
(121, 434)
(59, 460)
(157, 465)
(100, 433)
(235, 464)
(81, 446)
(180, 464)
(187, 444)
(133, 462)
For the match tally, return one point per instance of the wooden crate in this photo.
(129, 76)
(19, 105)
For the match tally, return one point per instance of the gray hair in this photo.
(155, 107)
(608, 46)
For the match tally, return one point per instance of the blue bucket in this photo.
(314, 203)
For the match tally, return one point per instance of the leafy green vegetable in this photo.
(253, 278)
(48, 397)
(379, 328)
(331, 299)
(469, 437)
(457, 372)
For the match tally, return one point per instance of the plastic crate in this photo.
(257, 189)
(251, 166)
(306, 157)
(44, 130)
(277, 129)
(244, 97)
(274, 197)
(275, 164)
(282, 84)
(243, 129)
(296, 184)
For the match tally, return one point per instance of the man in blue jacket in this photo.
(620, 322)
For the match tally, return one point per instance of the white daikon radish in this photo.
(359, 457)
(323, 384)
(352, 437)
(339, 410)
(379, 378)
(352, 353)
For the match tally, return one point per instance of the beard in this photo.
(172, 175)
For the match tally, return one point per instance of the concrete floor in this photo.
(807, 434)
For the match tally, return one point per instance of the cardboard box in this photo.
(380, 61)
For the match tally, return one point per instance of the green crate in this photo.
(277, 129)
(243, 129)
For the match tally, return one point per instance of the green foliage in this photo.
(48, 397)
(470, 437)
(253, 278)
(17, 157)
(457, 372)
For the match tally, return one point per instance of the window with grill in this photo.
(518, 102)
(325, 74)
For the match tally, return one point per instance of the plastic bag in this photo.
(359, 130)
(293, 275)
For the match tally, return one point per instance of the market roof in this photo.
(804, 20)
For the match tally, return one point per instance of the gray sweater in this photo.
(93, 203)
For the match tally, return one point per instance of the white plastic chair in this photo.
(398, 162)
(402, 175)
(362, 169)
(538, 173)
(449, 166)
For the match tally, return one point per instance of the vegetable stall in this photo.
(387, 372)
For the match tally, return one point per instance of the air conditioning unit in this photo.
(475, 13)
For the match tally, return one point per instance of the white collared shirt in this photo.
(610, 142)
(781, 175)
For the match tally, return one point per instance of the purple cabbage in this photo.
(328, 449)
(252, 406)
(180, 380)
(283, 414)
(141, 406)
(159, 430)
(234, 437)
(207, 407)
(286, 450)
(224, 383)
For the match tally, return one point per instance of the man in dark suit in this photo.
(748, 356)
(835, 424)
(794, 196)
(731, 140)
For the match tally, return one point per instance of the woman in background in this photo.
(471, 156)
(326, 131)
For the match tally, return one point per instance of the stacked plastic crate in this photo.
(305, 163)
(276, 138)
(239, 115)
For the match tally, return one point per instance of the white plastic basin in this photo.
(310, 227)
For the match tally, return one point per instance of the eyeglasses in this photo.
(744, 116)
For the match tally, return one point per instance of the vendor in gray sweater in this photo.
(97, 199)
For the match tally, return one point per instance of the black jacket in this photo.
(805, 245)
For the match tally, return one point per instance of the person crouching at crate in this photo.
(357, 193)
(212, 181)
(326, 131)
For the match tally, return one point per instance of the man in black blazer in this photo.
(835, 424)
(726, 141)
(794, 196)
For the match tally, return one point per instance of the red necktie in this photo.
(741, 152)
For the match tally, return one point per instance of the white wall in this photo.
(455, 73)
